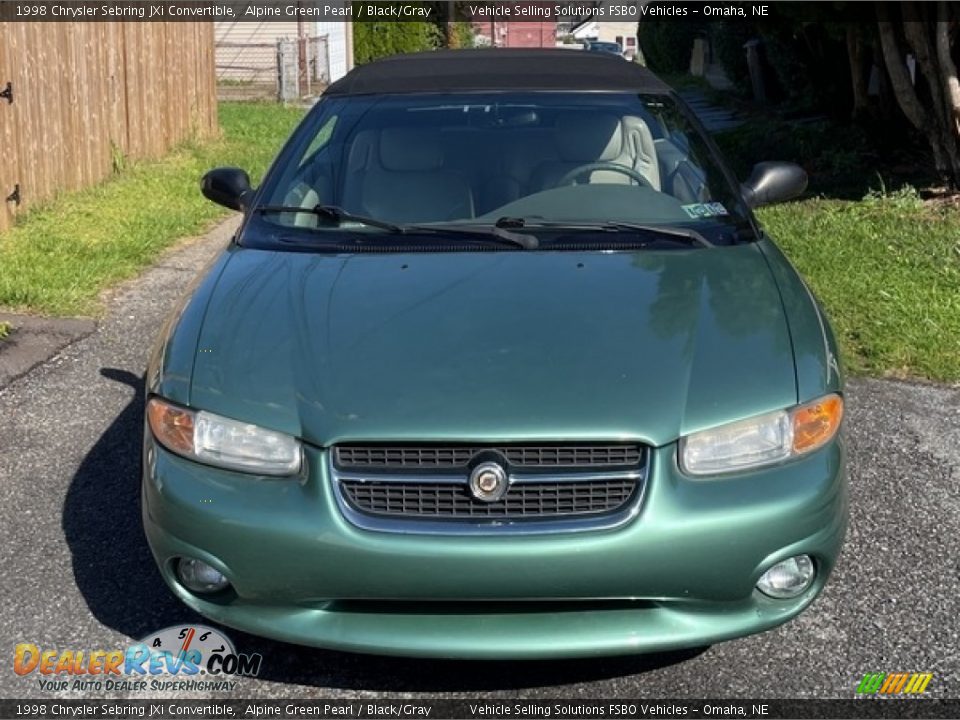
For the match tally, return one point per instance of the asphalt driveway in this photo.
(75, 571)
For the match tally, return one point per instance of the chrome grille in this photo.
(452, 500)
(426, 488)
(458, 456)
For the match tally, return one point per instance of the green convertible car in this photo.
(498, 364)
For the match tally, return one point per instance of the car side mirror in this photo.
(227, 186)
(773, 182)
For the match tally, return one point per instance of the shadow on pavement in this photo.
(112, 564)
(115, 572)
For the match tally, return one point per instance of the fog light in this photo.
(199, 577)
(788, 578)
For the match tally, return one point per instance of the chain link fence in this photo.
(287, 69)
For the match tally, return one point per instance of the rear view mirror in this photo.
(773, 182)
(227, 186)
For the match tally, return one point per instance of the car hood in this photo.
(645, 345)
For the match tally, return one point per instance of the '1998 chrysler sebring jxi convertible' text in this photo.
(498, 364)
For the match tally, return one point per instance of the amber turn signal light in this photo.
(172, 426)
(816, 423)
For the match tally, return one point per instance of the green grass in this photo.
(885, 265)
(60, 256)
(887, 269)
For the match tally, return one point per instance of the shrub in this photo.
(837, 157)
(667, 45)
(374, 40)
(465, 35)
(728, 39)
(810, 68)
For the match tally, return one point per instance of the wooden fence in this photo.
(88, 94)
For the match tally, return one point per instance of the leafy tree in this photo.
(727, 39)
(667, 44)
(374, 40)
(821, 57)
(455, 33)
(929, 33)
(464, 35)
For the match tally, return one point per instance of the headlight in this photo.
(763, 439)
(223, 442)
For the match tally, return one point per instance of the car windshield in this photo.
(532, 158)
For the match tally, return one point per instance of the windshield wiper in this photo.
(487, 233)
(335, 214)
(673, 232)
(679, 233)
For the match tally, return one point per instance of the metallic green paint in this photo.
(681, 573)
(175, 351)
(498, 346)
(648, 345)
(815, 348)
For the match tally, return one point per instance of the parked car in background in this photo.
(611, 48)
(498, 364)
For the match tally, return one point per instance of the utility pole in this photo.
(303, 80)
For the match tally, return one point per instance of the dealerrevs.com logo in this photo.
(191, 657)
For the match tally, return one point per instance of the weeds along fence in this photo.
(78, 98)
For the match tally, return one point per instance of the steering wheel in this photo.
(569, 177)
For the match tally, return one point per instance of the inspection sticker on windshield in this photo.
(702, 210)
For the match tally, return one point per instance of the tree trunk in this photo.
(937, 124)
(951, 93)
(897, 70)
(921, 32)
(861, 101)
(949, 69)
(450, 27)
(916, 32)
(888, 102)
(450, 35)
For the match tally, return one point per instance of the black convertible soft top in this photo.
(497, 69)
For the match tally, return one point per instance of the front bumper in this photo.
(681, 574)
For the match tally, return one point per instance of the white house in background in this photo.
(339, 47)
(624, 33)
(246, 51)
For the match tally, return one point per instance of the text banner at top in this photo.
(428, 11)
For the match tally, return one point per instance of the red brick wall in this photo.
(531, 34)
(520, 33)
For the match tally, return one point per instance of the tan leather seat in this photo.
(683, 179)
(640, 148)
(398, 174)
(597, 137)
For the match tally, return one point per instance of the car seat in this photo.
(600, 137)
(397, 174)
